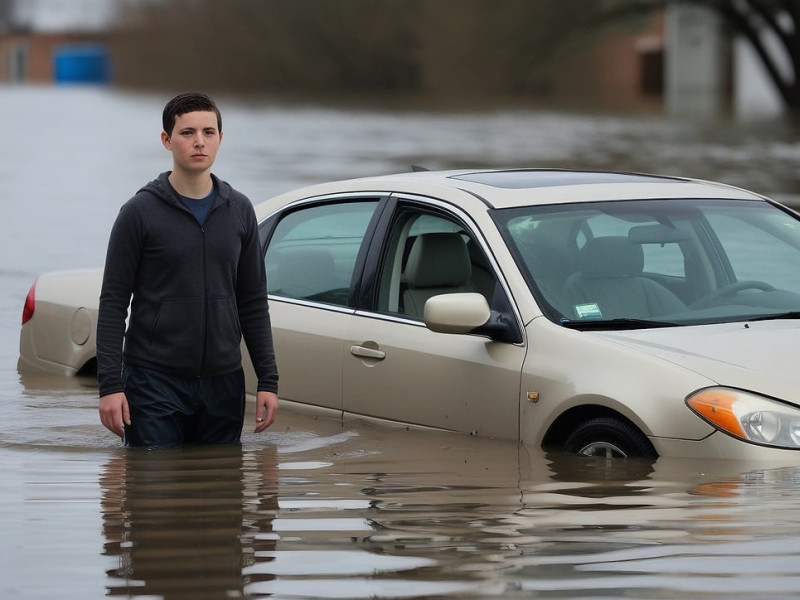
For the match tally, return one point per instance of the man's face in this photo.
(194, 141)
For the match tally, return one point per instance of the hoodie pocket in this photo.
(224, 332)
(176, 337)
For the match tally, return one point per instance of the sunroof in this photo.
(535, 178)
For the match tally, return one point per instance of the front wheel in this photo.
(609, 437)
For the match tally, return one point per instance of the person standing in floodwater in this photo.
(184, 252)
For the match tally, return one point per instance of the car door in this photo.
(397, 369)
(311, 260)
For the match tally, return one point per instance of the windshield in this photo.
(657, 262)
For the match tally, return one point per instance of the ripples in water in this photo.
(322, 509)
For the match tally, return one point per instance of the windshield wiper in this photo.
(792, 314)
(602, 324)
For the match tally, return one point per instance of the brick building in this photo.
(32, 57)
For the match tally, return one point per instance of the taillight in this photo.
(30, 304)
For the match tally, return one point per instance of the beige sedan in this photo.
(605, 314)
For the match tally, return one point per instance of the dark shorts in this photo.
(168, 411)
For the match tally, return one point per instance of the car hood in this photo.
(760, 356)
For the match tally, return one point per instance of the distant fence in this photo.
(80, 64)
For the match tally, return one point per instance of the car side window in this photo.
(430, 254)
(312, 252)
(775, 251)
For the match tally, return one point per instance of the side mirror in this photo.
(456, 313)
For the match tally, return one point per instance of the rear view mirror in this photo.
(456, 313)
(656, 234)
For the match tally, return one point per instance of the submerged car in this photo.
(606, 314)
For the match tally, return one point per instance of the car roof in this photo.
(508, 188)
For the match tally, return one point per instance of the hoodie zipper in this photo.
(204, 356)
(204, 269)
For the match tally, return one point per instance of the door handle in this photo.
(365, 352)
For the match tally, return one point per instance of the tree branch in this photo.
(770, 17)
(740, 23)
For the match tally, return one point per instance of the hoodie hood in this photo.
(162, 188)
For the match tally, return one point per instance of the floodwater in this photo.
(324, 509)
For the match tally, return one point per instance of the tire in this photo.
(609, 437)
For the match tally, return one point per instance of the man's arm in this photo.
(254, 314)
(114, 413)
(266, 410)
(118, 276)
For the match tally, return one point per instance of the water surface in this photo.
(324, 509)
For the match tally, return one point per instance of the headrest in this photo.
(548, 253)
(612, 256)
(438, 260)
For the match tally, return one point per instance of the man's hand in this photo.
(114, 413)
(266, 410)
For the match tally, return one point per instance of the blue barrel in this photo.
(82, 64)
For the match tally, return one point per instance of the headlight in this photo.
(749, 417)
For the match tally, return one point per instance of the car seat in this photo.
(609, 283)
(550, 262)
(438, 263)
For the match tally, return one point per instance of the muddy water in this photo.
(322, 509)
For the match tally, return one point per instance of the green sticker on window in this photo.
(588, 311)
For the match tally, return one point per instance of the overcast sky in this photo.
(56, 15)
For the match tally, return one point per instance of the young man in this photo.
(184, 253)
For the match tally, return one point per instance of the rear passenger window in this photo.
(664, 259)
(312, 253)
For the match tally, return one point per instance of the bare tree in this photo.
(750, 18)
(282, 45)
(754, 20)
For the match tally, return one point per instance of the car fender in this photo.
(646, 390)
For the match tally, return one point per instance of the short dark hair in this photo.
(186, 103)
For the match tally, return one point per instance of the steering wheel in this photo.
(729, 290)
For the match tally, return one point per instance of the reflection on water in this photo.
(178, 517)
(320, 509)
(324, 509)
